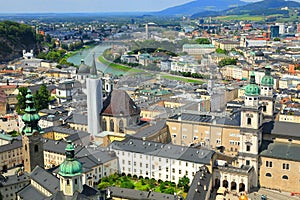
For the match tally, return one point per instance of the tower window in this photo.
(112, 124)
(248, 121)
(25, 147)
(264, 108)
(36, 148)
(248, 148)
(268, 174)
(76, 181)
(68, 182)
(285, 177)
(121, 126)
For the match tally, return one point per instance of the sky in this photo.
(74, 6)
(27, 6)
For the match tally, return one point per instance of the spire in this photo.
(93, 72)
(30, 118)
(70, 151)
(252, 78)
(268, 70)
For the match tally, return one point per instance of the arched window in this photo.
(36, 148)
(25, 147)
(248, 121)
(104, 125)
(121, 126)
(268, 174)
(112, 124)
(285, 177)
(264, 108)
(68, 182)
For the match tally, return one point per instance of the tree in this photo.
(41, 98)
(21, 97)
(103, 185)
(184, 182)
(203, 41)
(227, 61)
(277, 39)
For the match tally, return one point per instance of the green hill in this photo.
(14, 37)
(265, 8)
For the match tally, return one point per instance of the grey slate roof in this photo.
(197, 191)
(57, 146)
(45, 179)
(189, 154)
(286, 129)
(13, 145)
(84, 195)
(77, 119)
(61, 129)
(95, 156)
(13, 179)
(285, 151)
(132, 194)
(30, 192)
(150, 130)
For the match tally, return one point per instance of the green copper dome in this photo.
(252, 89)
(70, 167)
(267, 80)
(30, 118)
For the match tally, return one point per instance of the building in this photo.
(31, 136)
(279, 168)
(198, 49)
(94, 100)
(119, 111)
(274, 31)
(167, 162)
(11, 155)
(10, 185)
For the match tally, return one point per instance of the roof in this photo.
(197, 191)
(30, 192)
(91, 157)
(57, 146)
(45, 179)
(77, 119)
(13, 179)
(132, 194)
(177, 152)
(83, 68)
(150, 130)
(14, 144)
(285, 151)
(119, 103)
(191, 46)
(284, 129)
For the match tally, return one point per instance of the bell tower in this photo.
(70, 173)
(33, 151)
(267, 96)
(250, 133)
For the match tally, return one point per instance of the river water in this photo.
(87, 56)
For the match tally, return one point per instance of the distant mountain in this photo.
(15, 37)
(266, 7)
(200, 6)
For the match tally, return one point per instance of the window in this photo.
(129, 162)
(231, 142)
(121, 126)
(173, 170)
(248, 121)
(134, 163)
(218, 141)
(112, 124)
(167, 176)
(68, 182)
(268, 174)
(141, 164)
(167, 169)
(264, 108)
(184, 136)
(146, 165)
(285, 177)
(247, 162)
(186, 164)
(153, 166)
(285, 166)
(75, 181)
(36, 148)
(174, 135)
(180, 171)
(269, 163)
(195, 138)
(248, 148)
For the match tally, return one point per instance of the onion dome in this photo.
(252, 89)
(83, 68)
(30, 118)
(267, 80)
(70, 167)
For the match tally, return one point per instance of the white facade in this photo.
(94, 104)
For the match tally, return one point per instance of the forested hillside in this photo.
(14, 37)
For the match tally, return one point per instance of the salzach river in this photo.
(87, 56)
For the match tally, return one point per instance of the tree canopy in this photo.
(227, 61)
(41, 98)
(184, 182)
(21, 97)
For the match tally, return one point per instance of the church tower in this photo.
(70, 172)
(31, 136)
(267, 96)
(250, 134)
(94, 100)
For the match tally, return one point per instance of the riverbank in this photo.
(72, 53)
(118, 66)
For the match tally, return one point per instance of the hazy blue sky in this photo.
(8, 6)
(86, 5)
